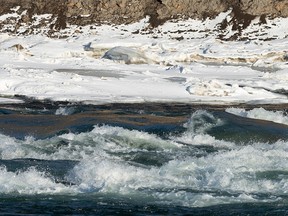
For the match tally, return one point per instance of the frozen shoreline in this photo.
(114, 65)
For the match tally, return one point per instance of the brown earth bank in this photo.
(83, 12)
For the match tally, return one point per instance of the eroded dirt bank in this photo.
(83, 12)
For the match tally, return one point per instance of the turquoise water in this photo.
(213, 162)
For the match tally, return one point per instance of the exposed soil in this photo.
(83, 12)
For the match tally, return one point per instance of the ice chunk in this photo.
(126, 55)
(87, 47)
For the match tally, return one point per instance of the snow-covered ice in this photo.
(114, 64)
(261, 113)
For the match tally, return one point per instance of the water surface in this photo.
(140, 160)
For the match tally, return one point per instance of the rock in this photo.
(265, 7)
(17, 47)
(83, 12)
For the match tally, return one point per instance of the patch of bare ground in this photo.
(91, 12)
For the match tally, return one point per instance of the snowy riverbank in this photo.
(164, 66)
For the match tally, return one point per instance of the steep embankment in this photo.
(28, 16)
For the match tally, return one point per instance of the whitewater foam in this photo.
(196, 131)
(79, 146)
(233, 172)
(107, 163)
(65, 111)
(30, 181)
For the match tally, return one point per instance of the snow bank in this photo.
(117, 65)
(260, 113)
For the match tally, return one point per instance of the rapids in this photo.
(209, 159)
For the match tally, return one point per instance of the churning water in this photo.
(215, 163)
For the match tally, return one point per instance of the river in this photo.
(140, 159)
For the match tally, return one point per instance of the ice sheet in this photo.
(146, 67)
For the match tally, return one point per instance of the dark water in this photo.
(141, 160)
